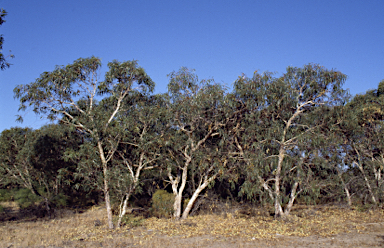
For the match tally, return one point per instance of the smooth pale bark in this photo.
(278, 209)
(346, 190)
(135, 180)
(360, 166)
(106, 185)
(202, 186)
(366, 182)
(292, 198)
(178, 192)
(188, 152)
(123, 208)
(193, 199)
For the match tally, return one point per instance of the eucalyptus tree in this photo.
(279, 129)
(142, 128)
(70, 94)
(14, 165)
(364, 139)
(33, 159)
(196, 135)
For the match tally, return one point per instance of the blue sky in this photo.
(220, 39)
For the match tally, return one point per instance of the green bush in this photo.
(162, 203)
(60, 200)
(132, 221)
(6, 195)
(1, 209)
(25, 198)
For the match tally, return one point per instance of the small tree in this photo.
(363, 139)
(69, 93)
(142, 129)
(196, 137)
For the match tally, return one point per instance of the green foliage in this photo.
(131, 221)
(162, 203)
(298, 129)
(25, 198)
(3, 63)
(6, 195)
(60, 200)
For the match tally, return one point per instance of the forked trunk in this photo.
(178, 192)
(123, 208)
(195, 195)
(292, 198)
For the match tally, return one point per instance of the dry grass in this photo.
(79, 230)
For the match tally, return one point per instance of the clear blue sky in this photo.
(220, 39)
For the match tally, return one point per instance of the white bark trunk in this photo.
(106, 185)
(123, 208)
(346, 190)
(196, 194)
(278, 209)
(292, 198)
(367, 182)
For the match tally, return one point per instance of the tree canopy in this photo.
(272, 140)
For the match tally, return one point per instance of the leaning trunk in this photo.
(195, 195)
(346, 190)
(292, 198)
(123, 208)
(367, 183)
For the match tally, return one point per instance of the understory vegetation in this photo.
(271, 142)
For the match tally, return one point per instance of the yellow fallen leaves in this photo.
(324, 222)
(302, 222)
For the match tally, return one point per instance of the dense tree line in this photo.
(272, 140)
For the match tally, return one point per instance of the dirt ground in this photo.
(307, 227)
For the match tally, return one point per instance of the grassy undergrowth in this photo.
(89, 229)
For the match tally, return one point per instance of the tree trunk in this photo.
(195, 195)
(177, 206)
(345, 189)
(278, 209)
(367, 182)
(123, 209)
(178, 192)
(292, 198)
(106, 185)
(108, 204)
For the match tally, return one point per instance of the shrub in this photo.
(162, 203)
(132, 221)
(25, 198)
(60, 200)
(5, 195)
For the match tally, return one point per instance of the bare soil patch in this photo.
(307, 227)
